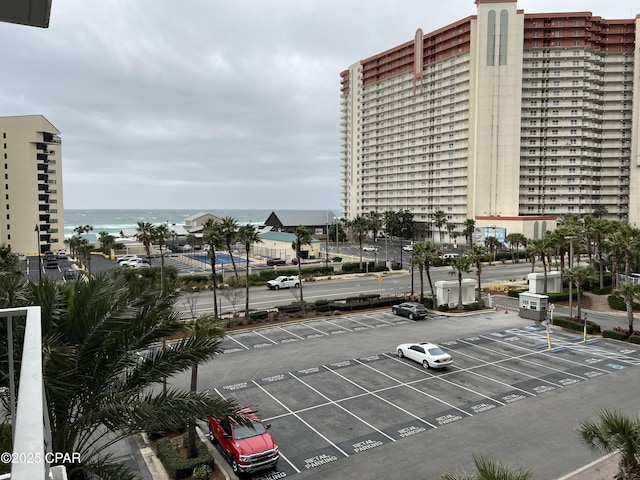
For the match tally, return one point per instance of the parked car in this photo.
(297, 260)
(134, 262)
(429, 355)
(284, 281)
(368, 248)
(276, 261)
(61, 254)
(411, 310)
(248, 448)
(49, 255)
(450, 255)
(70, 274)
(126, 258)
(50, 264)
(408, 248)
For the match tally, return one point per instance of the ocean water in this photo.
(113, 221)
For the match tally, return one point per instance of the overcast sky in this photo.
(210, 103)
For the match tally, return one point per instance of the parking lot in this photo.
(325, 413)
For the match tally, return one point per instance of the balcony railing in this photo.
(28, 408)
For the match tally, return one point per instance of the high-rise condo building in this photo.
(505, 117)
(31, 212)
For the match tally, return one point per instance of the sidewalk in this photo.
(604, 468)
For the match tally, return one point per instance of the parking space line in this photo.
(442, 379)
(301, 420)
(339, 326)
(409, 385)
(559, 357)
(374, 394)
(385, 321)
(317, 330)
(337, 404)
(291, 333)
(266, 338)
(498, 363)
(232, 337)
(523, 358)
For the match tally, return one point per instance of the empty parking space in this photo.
(325, 413)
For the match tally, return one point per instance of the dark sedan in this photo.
(276, 262)
(411, 310)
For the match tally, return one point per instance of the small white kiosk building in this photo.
(447, 292)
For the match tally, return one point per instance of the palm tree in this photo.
(248, 235)
(492, 244)
(303, 237)
(468, 230)
(515, 240)
(580, 275)
(162, 233)
(107, 242)
(614, 432)
(424, 254)
(101, 367)
(629, 291)
(626, 239)
(204, 327)
(451, 231)
(212, 235)
(11, 279)
(359, 227)
(375, 223)
(489, 469)
(145, 236)
(460, 265)
(540, 247)
(390, 222)
(84, 249)
(439, 220)
(477, 254)
(229, 228)
(191, 240)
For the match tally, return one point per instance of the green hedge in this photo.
(617, 303)
(614, 334)
(177, 467)
(634, 339)
(577, 326)
(362, 305)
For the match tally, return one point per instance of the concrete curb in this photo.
(604, 468)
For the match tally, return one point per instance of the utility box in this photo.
(533, 306)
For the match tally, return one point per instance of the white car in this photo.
(126, 258)
(369, 249)
(408, 248)
(428, 354)
(135, 262)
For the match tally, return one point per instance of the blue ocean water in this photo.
(113, 221)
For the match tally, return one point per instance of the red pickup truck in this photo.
(249, 448)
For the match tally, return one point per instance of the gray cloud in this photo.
(208, 103)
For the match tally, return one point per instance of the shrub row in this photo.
(617, 302)
(614, 334)
(576, 325)
(177, 467)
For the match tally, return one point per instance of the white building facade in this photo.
(508, 118)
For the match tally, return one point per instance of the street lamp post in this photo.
(326, 247)
(38, 247)
(570, 238)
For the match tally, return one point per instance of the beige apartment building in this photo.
(509, 118)
(32, 214)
